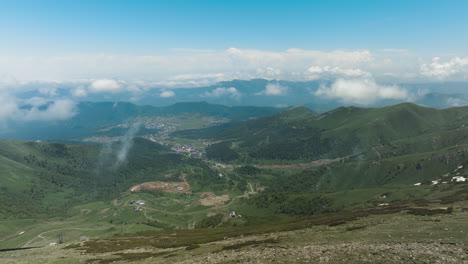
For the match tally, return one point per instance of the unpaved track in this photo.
(65, 228)
(314, 163)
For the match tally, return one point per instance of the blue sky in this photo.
(148, 27)
(363, 50)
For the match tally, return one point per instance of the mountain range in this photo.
(274, 93)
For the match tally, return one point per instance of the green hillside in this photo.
(392, 148)
(46, 179)
(296, 134)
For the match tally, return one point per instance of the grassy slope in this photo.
(45, 179)
(297, 135)
(72, 189)
(400, 234)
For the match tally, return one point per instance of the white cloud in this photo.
(223, 91)
(195, 68)
(194, 80)
(79, 92)
(178, 66)
(328, 72)
(167, 94)
(49, 91)
(454, 102)
(57, 110)
(443, 70)
(105, 85)
(269, 73)
(361, 91)
(35, 109)
(275, 89)
(8, 107)
(36, 101)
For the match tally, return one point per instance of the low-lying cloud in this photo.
(35, 109)
(274, 89)
(230, 92)
(127, 143)
(361, 91)
(444, 70)
(57, 110)
(329, 72)
(167, 94)
(105, 85)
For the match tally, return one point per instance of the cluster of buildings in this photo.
(155, 123)
(139, 204)
(162, 135)
(189, 150)
(102, 139)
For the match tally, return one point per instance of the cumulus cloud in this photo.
(317, 72)
(275, 89)
(222, 92)
(443, 70)
(57, 110)
(167, 94)
(105, 85)
(361, 91)
(193, 80)
(35, 109)
(136, 74)
(269, 73)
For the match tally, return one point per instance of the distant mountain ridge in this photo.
(254, 92)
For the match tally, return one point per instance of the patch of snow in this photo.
(459, 179)
(435, 182)
(417, 184)
(20, 233)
